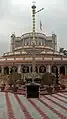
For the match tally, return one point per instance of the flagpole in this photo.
(33, 41)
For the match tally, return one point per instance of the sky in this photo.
(16, 17)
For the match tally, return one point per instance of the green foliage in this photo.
(62, 50)
(48, 79)
(14, 78)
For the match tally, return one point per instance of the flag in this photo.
(40, 25)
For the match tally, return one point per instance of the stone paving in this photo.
(15, 106)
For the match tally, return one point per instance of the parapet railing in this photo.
(30, 59)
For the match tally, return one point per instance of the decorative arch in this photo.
(13, 68)
(6, 70)
(62, 69)
(25, 69)
(42, 69)
(54, 69)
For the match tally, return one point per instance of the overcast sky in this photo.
(15, 16)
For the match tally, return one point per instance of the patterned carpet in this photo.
(15, 106)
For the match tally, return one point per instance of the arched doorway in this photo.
(13, 68)
(25, 69)
(42, 69)
(54, 70)
(62, 70)
(6, 70)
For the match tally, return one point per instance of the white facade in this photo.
(26, 40)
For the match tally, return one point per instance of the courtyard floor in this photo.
(16, 106)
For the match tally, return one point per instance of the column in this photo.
(23, 42)
(2, 70)
(30, 69)
(38, 68)
(48, 68)
(19, 69)
(9, 69)
(58, 69)
(65, 69)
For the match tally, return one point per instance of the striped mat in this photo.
(14, 106)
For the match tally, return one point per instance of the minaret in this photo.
(12, 42)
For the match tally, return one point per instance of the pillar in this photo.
(30, 69)
(2, 70)
(65, 69)
(38, 68)
(19, 69)
(58, 69)
(9, 69)
(48, 68)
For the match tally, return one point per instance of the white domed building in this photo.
(23, 54)
(46, 54)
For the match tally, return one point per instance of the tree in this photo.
(48, 79)
(62, 50)
(65, 52)
(14, 78)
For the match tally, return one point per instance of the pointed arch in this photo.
(42, 69)
(6, 70)
(62, 69)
